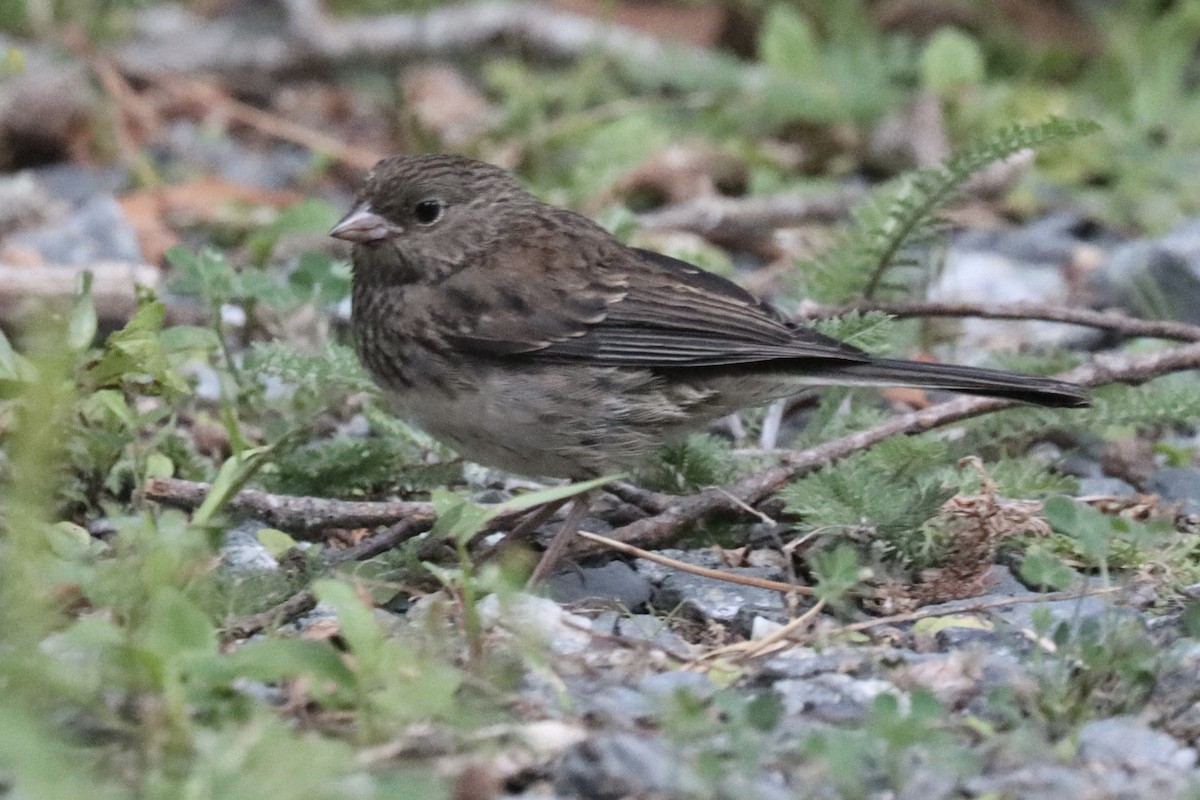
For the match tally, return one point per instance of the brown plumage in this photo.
(528, 338)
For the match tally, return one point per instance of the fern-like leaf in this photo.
(891, 226)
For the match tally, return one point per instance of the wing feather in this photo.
(619, 306)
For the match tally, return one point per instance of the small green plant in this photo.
(896, 737)
(1100, 666)
(894, 228)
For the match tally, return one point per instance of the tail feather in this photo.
(968, 380)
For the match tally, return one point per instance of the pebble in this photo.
(615, 581)
(1154, 277)
(832, 697)
(96, 231)
(1129, 743)
(241, 551)
(563, 632)
(1178, 484)
(620, 765)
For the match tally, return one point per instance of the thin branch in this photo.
(1105, 320)
(313, 41)
(298, 604)
(944, 609)
(307, 516)
(706, 572)
(742, 219)
(771, 643)
(395, 535)
(266, 122)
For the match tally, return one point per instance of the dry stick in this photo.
(942, 610)
(773, 641)
(299, 603)
(716, 574)
(662, 528)
(301, 515)
(562, 540)
(1105, 320)
(372, 546)
(742, 219)
(313, 42)
(268, 123)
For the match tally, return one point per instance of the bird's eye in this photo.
(428, 212)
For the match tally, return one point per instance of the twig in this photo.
(134, 115)
(301, 515)
(773, 642)
(312, 42)
(672, 522)
(742, 219)
(266, 122)
(300, 603)
(682, 566)
(981, 605)
(1106, 320)
(372, 546)
(786, 634)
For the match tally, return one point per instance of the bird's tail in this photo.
(968, 380)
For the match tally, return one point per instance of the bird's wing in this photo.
(627, 307)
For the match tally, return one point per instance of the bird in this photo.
(528, 338)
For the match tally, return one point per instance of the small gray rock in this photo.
(652, 629)
(96, 231)
(241, 551)
(615, 581)
(1103, 485)
(831, 697)
(666, 684)
(1130, 743)
(614, 766)
(1180, 484)
(730, 604)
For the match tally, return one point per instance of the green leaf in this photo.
(529, 500)
(276, 541)
(1189, 620)
(232, 475)
(457, 517)
(950, 61)
(1041, 568)
(81, 326)
(933, 625)
(134, 357)
(307, 216)
(189, 338)
(787, 43)
(837, 572)
(159, 466)
(356, 622)
(893, 224)
(765, 711)
(1062, 514)
(460, 519)
(14, 368)
(207, 275)
(279, 659)
(320, 278)
(176, 626)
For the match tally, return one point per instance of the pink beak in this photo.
(363, 225)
